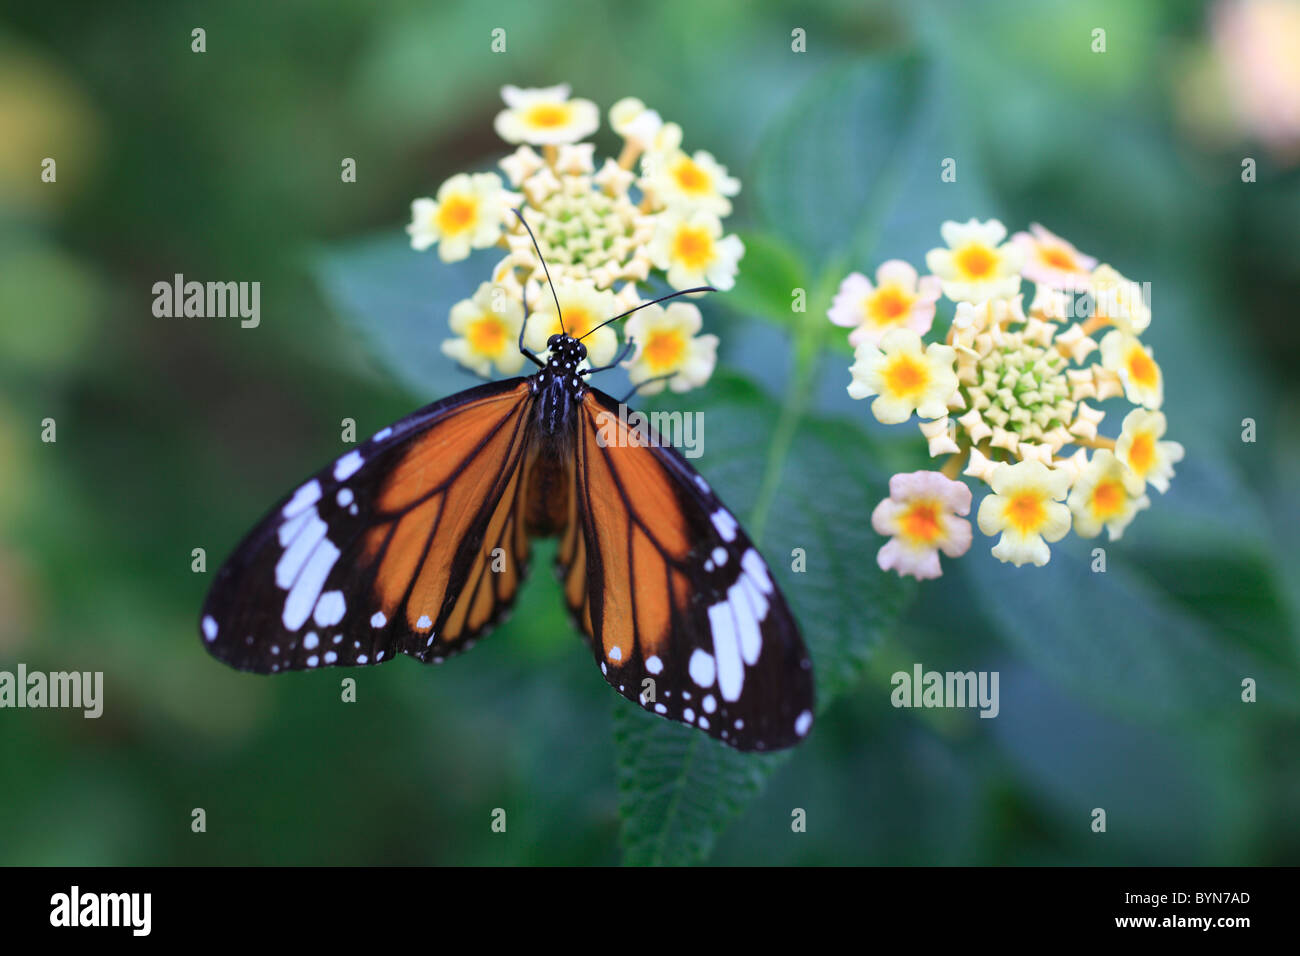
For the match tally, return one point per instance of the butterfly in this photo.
(416, 542)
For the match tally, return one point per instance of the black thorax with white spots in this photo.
(558, 385)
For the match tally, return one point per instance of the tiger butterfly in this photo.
(417, 541)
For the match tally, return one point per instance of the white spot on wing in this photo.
(330, 608)
(689, 715)
(303, 498)
(660, 709)
(751, 641)
(709, 703)
(704, 485)
(803, 722)
(726, 648)
(725, 523)
(382, 434)
(719, 556)
(423, 622)
(210, 628)
(701, 668)
(616, 653)
(653, 664)
(291, 562)
(757, 600)
(330, 657)
(756, 569)
(347, 466)
(289, 530)
(306, 589)
(378, 619)
(313, 661)
(344, 497)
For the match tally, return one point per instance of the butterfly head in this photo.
(566, 352)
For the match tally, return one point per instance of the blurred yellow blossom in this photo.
(487, 332)
(1025, 508)
(899, 298)
(921, 518)
(905, 377)
(545, 116)
(977, 264)
(668, 343)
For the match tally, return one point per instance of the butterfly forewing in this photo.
(682, 611)
(412, 542)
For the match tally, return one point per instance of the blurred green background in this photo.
(1119, 691)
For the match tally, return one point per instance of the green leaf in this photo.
(853, 174)
(1140, 639)
(397, 301)
(827, 165)
(678, 788)
(770, 272)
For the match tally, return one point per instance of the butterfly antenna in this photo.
(544, 269)
(672, 295)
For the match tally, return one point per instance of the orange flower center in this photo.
(906, 376)
(577, 319)
(1142, 369)
(457, 214)
(976, 261)
(691, 178)
(1142, 453)
(920, 524)
(664, 351)
(1060, 258)
(1108, 499)
(1025, 512)
(487, 336)
(887, 305)
(693, 247)
(547, 115)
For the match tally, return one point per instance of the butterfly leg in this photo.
(636, 388)
(526, 352)
(626, 351)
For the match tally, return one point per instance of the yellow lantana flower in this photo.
(1140, 448)
(1125, 355)
(584, 307)
(977, 264)
(898, 298)
(693, 250)
(1025, 507)
(691, 182)
(545, 116)
(1119, 300)
(487, 331)
(1053, 261)
(921, 517)
(468, 214)
(904, 376)
(1106, 494)
(668, 343)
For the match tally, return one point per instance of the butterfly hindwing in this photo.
(682, 611)
(412, 542)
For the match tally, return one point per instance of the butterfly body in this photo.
(417, 541)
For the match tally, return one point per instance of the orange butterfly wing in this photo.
(413, 542)
(682, 612)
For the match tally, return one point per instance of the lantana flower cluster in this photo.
(605, 227)
(1010, 396)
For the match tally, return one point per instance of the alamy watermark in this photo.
(79, 690)
(209, 300)
(921, 688)
(632, 429)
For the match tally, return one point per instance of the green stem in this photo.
(807, 348)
